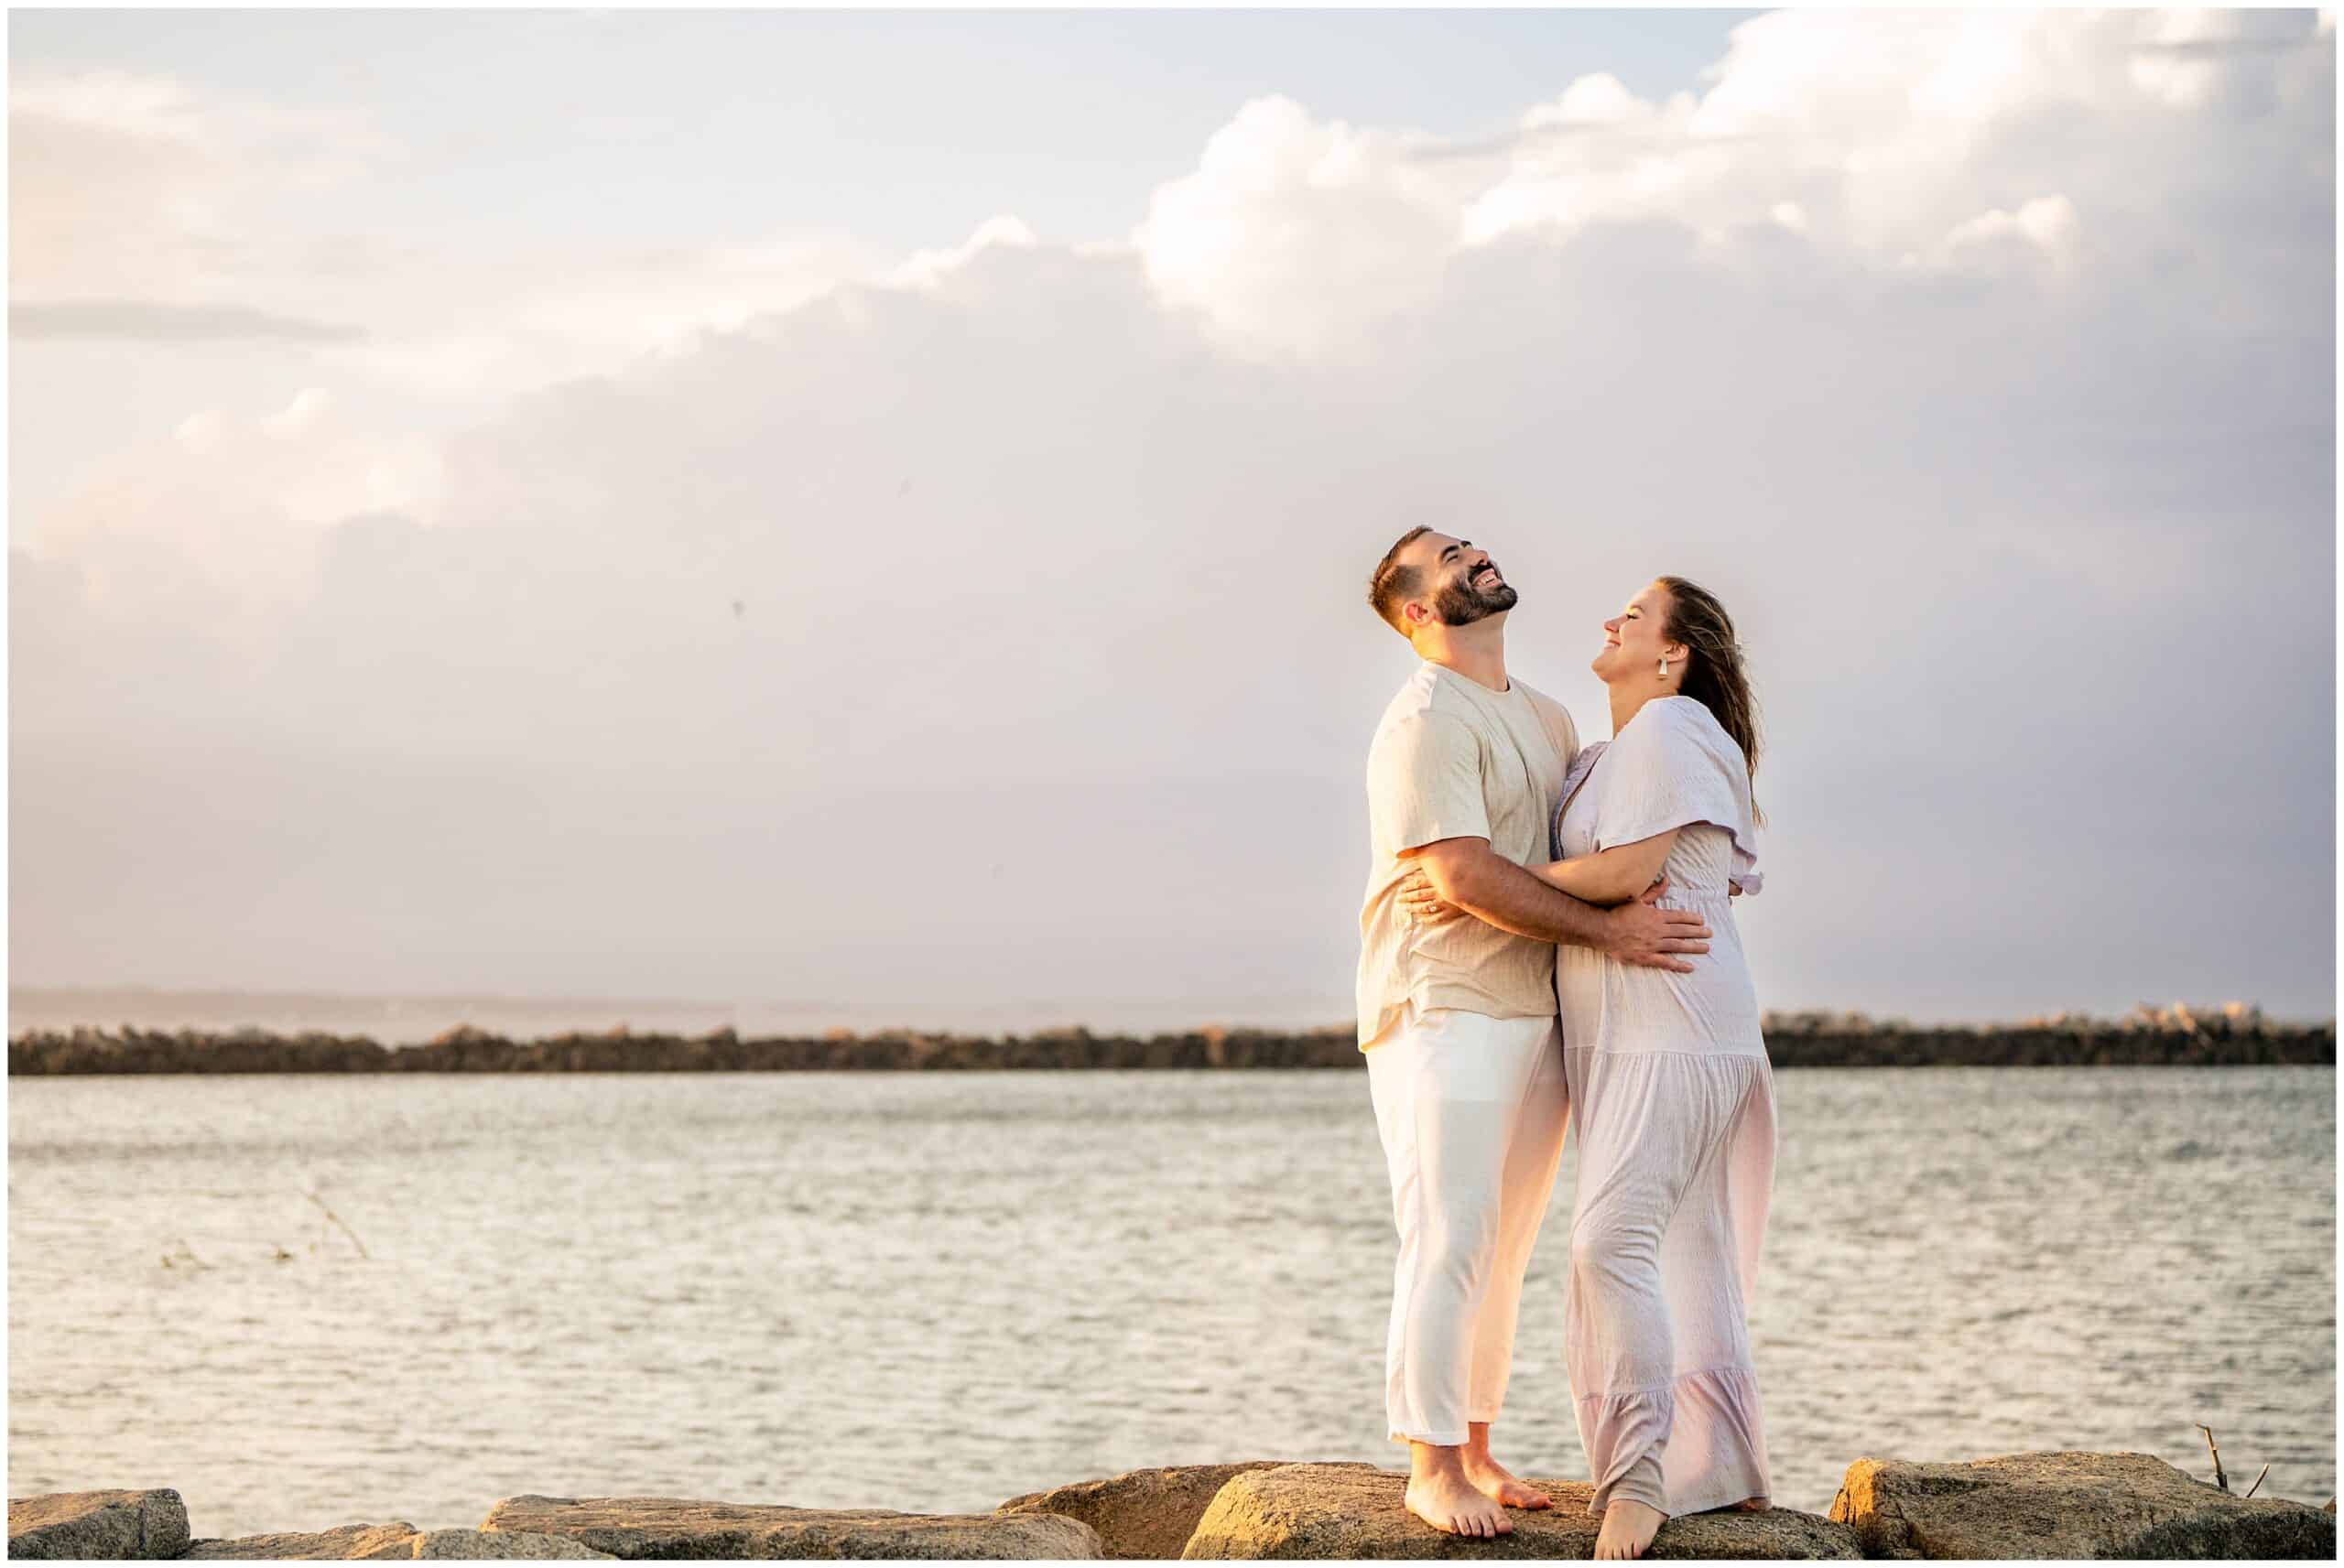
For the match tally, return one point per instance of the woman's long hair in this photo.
(1714, 677)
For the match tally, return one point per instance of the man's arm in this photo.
(1477, 879)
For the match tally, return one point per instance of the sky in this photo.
(783, 506)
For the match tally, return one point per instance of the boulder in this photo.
(343, 1543)
(2068, 1505)
(1353, 1511)
(109, 1525)
(474, 1544)
(678, 1526)
(1140, 1513)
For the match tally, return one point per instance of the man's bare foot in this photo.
(1628, 1529)
(1752, 1505)
(1502, 1486)
(1449, 1502)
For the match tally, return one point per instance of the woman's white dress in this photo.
(1672, 1106)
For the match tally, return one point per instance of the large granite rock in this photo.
(678, 1526)
(343, 1543)
(1330, 1510)
(2067, 1504)
(472, 1545)
(110, 1525)
(1140, 1513)
(384, 1542)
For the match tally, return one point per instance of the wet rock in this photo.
(109, 1525)
(2067, 1504)
(678, 1526)
(343, 1543)
(1140, 1513)
(1352, 1511)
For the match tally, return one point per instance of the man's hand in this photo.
(1421, 903)
(1641, 932)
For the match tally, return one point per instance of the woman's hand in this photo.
(1421, 905)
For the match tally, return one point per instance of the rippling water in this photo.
(932, 1291)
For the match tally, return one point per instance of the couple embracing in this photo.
(1548, 943)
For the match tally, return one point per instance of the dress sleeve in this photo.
(1672, 765)
(1424, 783)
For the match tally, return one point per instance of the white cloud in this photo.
(125, 186)
(141, 202)
(928, 268)
(233, 505)
(939, 603)
(2046, 226)
(1297, 236)
(1889, 135)
(481, 332)
(308, 405)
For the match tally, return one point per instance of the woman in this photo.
(1672, 1098)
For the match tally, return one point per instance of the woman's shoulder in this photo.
(1682, 719)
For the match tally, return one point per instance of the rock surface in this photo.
(679, 1527)
(343, 1543)
(1329, 1510)
(474, 1544)
(110, 1525)
(1140, 1513)
(397, 1540)
(2067, 1504)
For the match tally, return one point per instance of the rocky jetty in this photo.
(113, 1525)
(382, 1543)
(2231, 1035)
(2023, 1505)
(2068, 1505)
(1352, 1512)
(1146, 1513)
(670, 1526)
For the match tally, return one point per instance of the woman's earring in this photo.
(1663, 669)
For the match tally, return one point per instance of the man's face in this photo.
(1462, 584)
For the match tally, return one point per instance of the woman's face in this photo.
(1632, 643)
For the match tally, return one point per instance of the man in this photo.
(1457, 1019)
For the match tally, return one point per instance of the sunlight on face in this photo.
(1632, 640)
(1458, 583)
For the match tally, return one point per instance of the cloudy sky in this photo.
(763, 506)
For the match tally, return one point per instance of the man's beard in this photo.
(1459, 603)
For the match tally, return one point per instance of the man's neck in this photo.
(1476, 652)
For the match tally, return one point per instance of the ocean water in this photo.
(404, 1298)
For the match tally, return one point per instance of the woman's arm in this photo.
(1609, 876)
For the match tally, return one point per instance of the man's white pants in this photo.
(1471, 1110)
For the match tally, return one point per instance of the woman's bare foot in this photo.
(1628, 1527)
(1446, 1500)
(1752, 1505)
(1502, 1486)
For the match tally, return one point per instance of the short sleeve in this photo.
(1424, 783)
(1672, 765)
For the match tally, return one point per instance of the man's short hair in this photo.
(1392, 584)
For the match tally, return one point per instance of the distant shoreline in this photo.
(2174, 1036)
